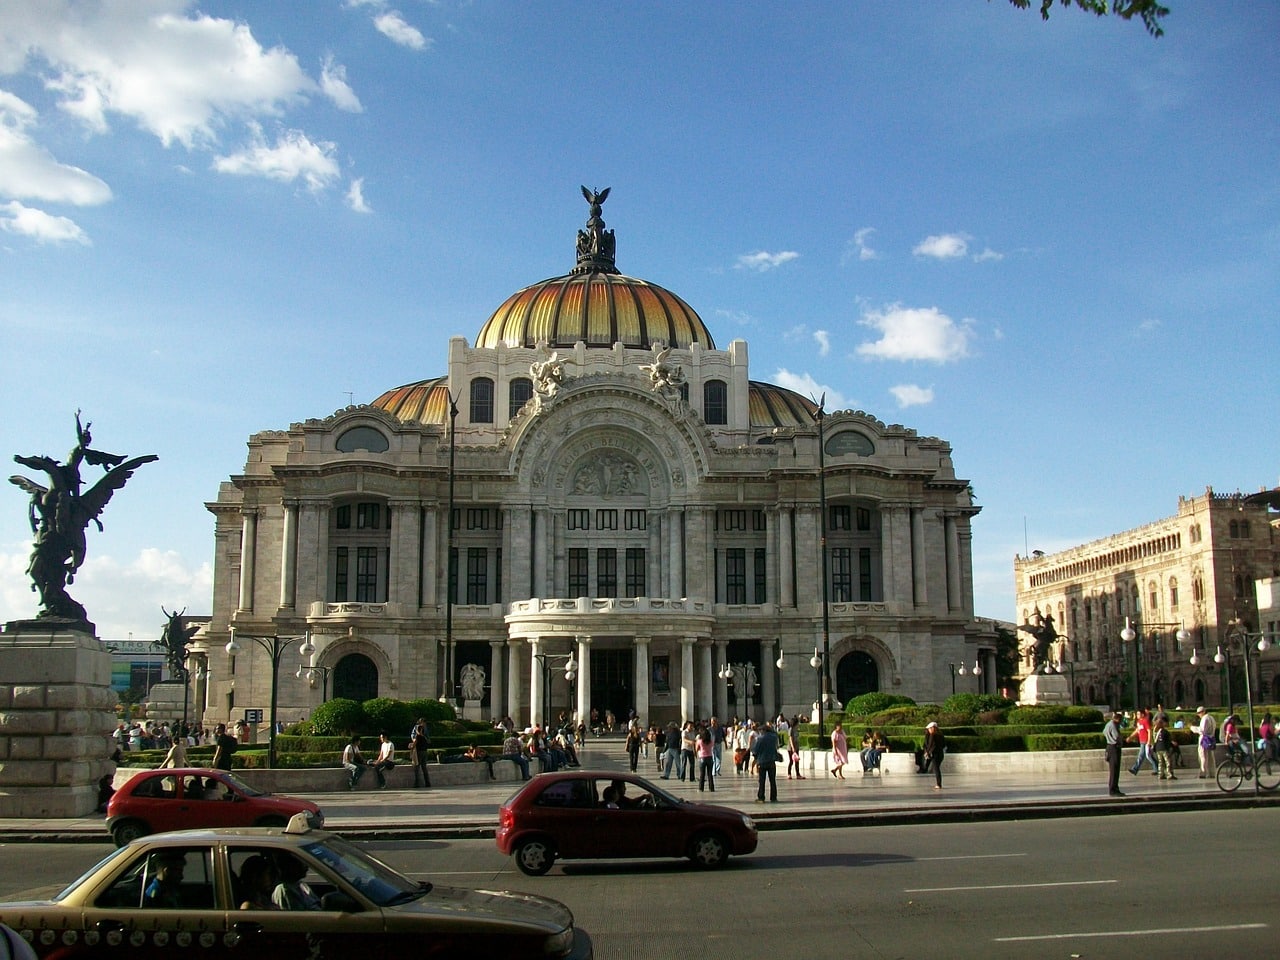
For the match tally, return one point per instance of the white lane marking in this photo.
(1010, 886)
(974, 856)
(1134, 933)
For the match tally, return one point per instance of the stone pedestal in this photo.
(471, 710)
(56, 715)
(1044, 688)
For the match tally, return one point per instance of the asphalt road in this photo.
(1098, 887)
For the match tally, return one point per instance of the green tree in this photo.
(1006, 657)
(129, 700)
(1148, 11)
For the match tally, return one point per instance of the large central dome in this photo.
(595, 304)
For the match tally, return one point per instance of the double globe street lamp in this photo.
(962, 671)
(275, 647)
(1133, 643)
(546, 660)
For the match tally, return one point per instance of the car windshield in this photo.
(62, 894)
(373, 878)
(243, 787)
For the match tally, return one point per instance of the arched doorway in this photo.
(856, 674)
(355, 678)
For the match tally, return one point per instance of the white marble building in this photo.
(624, 494)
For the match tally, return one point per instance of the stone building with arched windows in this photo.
(623, 495)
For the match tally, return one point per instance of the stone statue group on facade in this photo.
(60, 513)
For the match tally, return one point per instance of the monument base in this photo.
(471, 710)
(57, 711)
(1044, 688)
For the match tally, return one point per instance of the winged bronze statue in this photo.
(60, 513)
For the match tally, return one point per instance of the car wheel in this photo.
(708, 850)
(534, 857)
(271, 822)
(127, 831)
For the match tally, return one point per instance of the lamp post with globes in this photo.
(1133, 641)
(1237, 632)
(956, 670)
(546, 660)
(274, 646)
(308, 673)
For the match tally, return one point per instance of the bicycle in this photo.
(1244, 764)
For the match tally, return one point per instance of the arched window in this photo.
(482, 400)
(1173, 593)
(521, 392)
(715, 402)
(361, 438)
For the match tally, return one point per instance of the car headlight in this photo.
(558, 944)
(748, 822)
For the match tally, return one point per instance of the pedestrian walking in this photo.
(839, 751)
(1161, 743)
(673, 753)
(935, 748)
(764, 751)
(688, 750)
(793, 747)
(706, 748)
(1207, 729)
(419, 747)
(1111, 738)
(635, 738)
(1142, 733)
(225, 747)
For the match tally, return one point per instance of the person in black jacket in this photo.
(935, 747)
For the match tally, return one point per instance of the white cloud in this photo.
(909, 333)
(1147, 326)
(823, 339)
(180, 76)
(910, 395)
(734, 316)
(40, 226)
(121, 598)
(946, 246)
(394, 27)
(986, 255)
(763, 261)
(355, 196)
(29, 171)
(293, 156)
(859, 245)
(333, 81)
(806, 386)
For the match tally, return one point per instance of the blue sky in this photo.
(1055, 245)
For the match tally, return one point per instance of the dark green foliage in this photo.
(902, 717)
(1065, 741)
(432, 710)
(1084, 715)
(1045, 713)
(393, 716)
(869, 703)
(989, 718)
(338, 718)
(975, 703)
(1148, 11)
(984, 743)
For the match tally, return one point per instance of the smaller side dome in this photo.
(772, 406)
(426, 401)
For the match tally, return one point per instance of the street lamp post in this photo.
(1236, 631)
(825, 693)
(958, 670)
(817, 661)
(308, 673)
(545, 660)
(275, 647)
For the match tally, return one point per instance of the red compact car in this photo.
(607, 815)
(155, 801)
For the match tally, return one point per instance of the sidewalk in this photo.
(893, 798)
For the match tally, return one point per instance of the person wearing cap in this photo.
(935, 748)
(1113, 739)
(1206, 728)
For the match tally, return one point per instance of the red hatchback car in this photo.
(155, 801)
(608, 815)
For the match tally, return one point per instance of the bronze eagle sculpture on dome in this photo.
(59, 515)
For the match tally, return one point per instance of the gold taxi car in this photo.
(280, 893)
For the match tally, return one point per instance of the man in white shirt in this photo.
(1206, 728)
(386, 759)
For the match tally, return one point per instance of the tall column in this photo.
(953, 562)
(771, 557)
(584, 679)
(888, 567)
(686, 678)
(642, 679)
(404, 523)
(536, 692)
(705, 707)
(289, 555)
(655, 583)
(786, 560)
(248, 547)
(541, 552)
(430, 556)
(520, 560)
(900, 526)
(497, 705)
(514, 700)
(918, 567)
(768, 695)
(722, 688)
(506, 571)
(675, 544)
